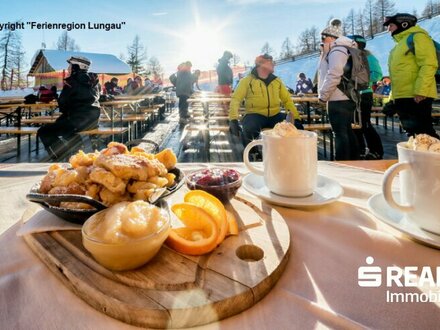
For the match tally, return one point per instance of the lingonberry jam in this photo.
(220, 182)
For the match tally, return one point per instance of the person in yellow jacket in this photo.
(263, 93)
(412, 72)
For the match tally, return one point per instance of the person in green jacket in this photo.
(367, 135)
(412, 74)
(263, 93)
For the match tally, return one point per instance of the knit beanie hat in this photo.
(334, 29)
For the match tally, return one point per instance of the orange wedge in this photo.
(232, 224)
(200, 234)
(212, 206)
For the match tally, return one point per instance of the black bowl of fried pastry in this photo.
(91, 182)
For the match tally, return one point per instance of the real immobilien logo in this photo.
(393, 276)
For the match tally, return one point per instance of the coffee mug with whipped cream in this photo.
(419, 174)
(290, 158)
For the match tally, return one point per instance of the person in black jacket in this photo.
(184, 82)
(224, 74)
(111, 87)
(79, 107)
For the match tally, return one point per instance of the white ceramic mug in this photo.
(419, 186)
(290, 163)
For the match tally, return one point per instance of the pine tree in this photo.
(136, 56)
(286, 49)
(65, 42)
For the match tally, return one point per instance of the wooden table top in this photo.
(375, 165)
(300, 99)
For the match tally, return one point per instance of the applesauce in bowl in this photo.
(126, 235)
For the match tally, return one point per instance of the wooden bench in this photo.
(39, 120)
(18, 132)
(101, 133)
(207, 128)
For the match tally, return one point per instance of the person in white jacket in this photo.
(340, 108)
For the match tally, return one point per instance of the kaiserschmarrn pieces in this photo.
(112, 175)
(108, 180)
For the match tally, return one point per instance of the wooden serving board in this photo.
(175, 290)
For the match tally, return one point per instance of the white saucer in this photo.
(398, 220)
(327, 191)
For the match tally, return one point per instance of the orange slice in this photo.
(212, 206)
(200, 234)
(232, 224)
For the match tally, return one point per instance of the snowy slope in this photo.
(380, 46)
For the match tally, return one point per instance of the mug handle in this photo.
(387, 182)
(246, 157)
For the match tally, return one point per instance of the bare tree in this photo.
(382, 9)
(18, 79)
(349, 22)
(432, 8)
(154, 66)
(10, 49)
(266, 49)
(66, 42)
(369, 19)
(136, 55)
(286, 49)
(360, 23)
(308, 41)
(235, 59)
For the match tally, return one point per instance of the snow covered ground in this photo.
(17, 92)
(380, 46)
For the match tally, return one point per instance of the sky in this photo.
(178, 30)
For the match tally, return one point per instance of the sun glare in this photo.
(203, 47)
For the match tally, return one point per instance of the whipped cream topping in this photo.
(286, 129)
(424, 142)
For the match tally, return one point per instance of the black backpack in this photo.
(173, 79)
(30, 99)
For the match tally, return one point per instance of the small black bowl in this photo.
(51, 202)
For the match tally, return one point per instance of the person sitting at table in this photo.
(385, 86)
(135, 86)
(47, 95)
(304, 85)
(127, 87)
(263, 93)
(111, 87)
(79, 107)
